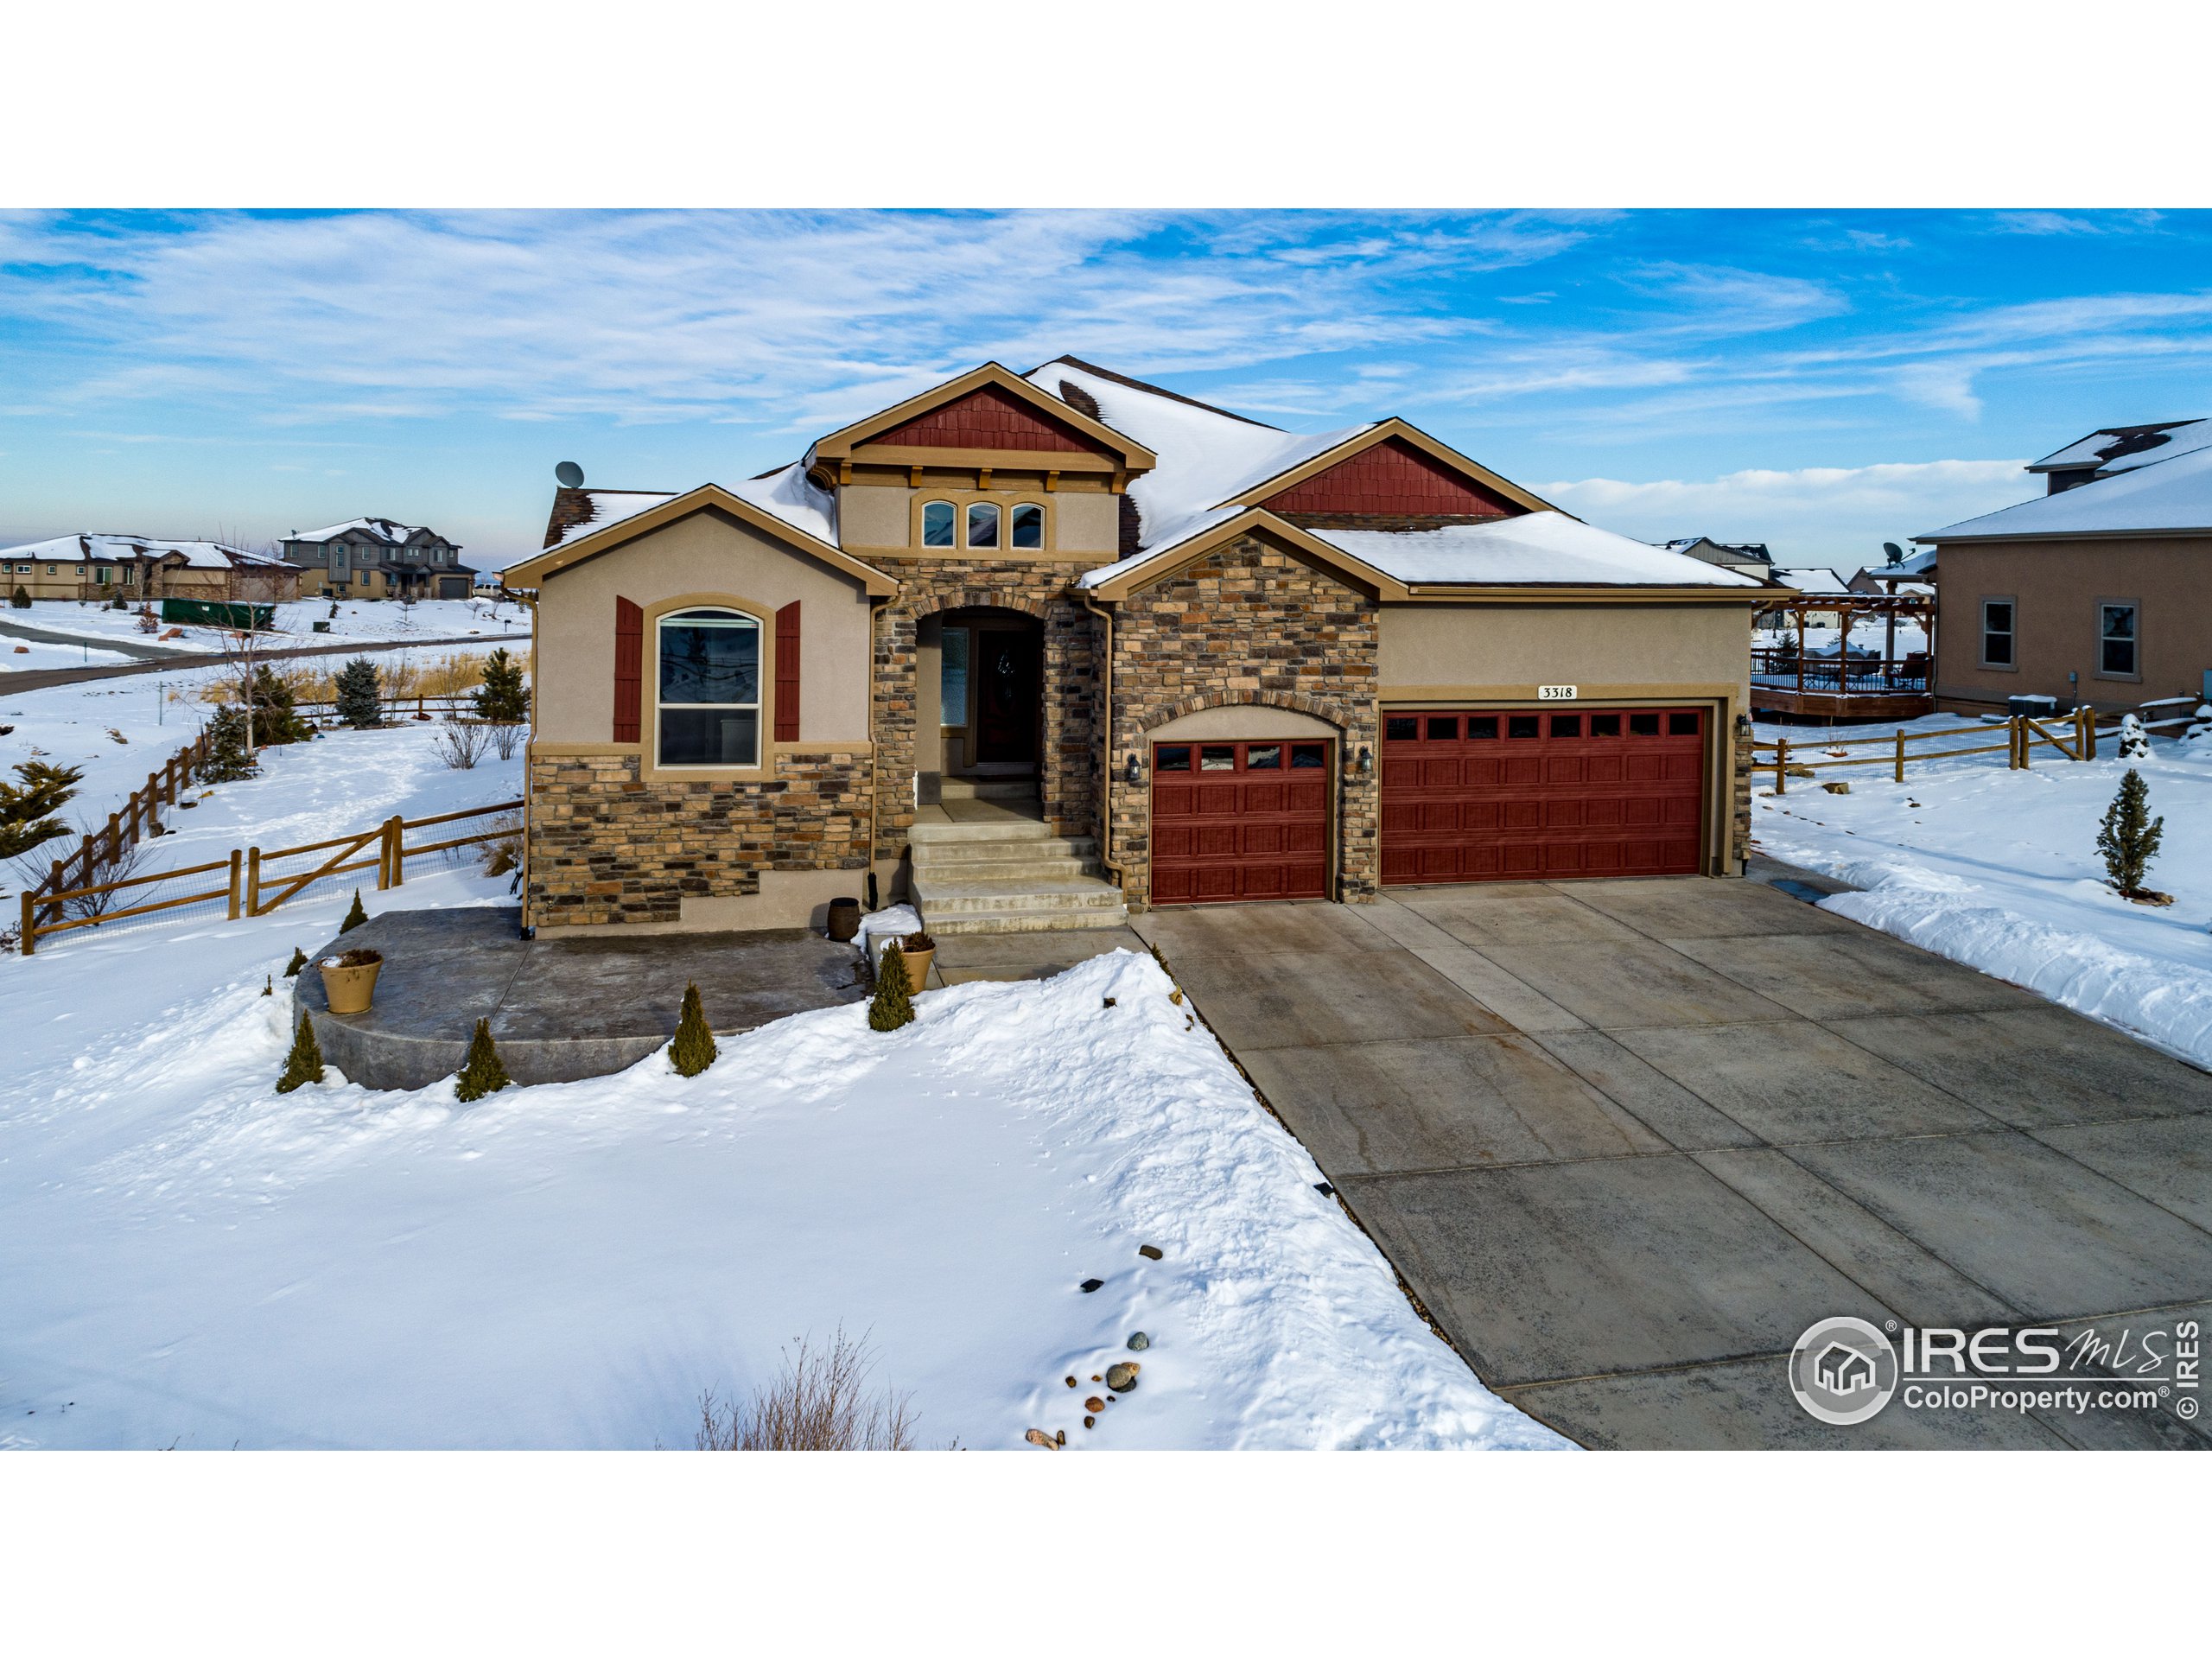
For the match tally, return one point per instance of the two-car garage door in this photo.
(1532, 794)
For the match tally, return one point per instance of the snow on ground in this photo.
(364, 619)
(1998, 869)
(20, 656)
(188, 1258)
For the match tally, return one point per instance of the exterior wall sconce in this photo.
(1133, 772)
(1366, 760)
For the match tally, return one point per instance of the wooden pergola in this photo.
(1787, 679)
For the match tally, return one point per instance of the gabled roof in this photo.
(94, 545)
(1382, 432)
(1117, 582)
(2171, 496)
(1134, 456)
(389, 531)
(614, 533)
(1545, 549)
(1745, 552)
(2122, 448)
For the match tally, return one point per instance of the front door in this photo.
(1008, 686)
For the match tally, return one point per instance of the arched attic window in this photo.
(938, 519)
(1027, 523)
(983, 524)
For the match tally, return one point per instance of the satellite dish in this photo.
(1896, 553)
(570, 475)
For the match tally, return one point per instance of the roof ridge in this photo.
(1135, 384)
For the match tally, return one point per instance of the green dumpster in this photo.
(217, 613)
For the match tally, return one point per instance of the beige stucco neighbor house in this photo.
(2098, 592)
(102, 565)
(1037, 651)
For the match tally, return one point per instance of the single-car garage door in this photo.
(1235, 821)
(1531, 794)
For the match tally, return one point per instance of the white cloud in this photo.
(1810, 515)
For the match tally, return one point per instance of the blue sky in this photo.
(1819, 381)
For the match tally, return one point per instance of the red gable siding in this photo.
(988, 418)
(1391, 477)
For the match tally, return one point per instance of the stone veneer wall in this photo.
(606, 846)
(1248, 625)
(1739, 839)
(1068, 773)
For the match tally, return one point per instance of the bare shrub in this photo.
(460, 744)
(500, 857)
(820, 1402)
(507, 738)
(129, 860)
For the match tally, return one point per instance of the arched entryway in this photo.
(983, 669)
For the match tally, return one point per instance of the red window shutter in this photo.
(787, 673)
(629, 668)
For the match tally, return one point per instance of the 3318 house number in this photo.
(1555, 694)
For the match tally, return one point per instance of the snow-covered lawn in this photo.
(1999, 869)
(20, 656)
(364, 619)
(188, 1257)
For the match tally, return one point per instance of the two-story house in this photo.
(103, 566)
(377, 558)
(1035, 651)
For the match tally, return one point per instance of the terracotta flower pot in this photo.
(349, 990)
(917, 966)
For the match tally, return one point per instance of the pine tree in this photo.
(359, 704)
(893, 1006)
(482, 1074)
(304, 1063)
(21, 599)
(501, 700)
(354, 917)
(694, 1050)
(228, 758)
(26, 806)
(274, 719)
(2129, 839)
(2134, 742)
(299, 961)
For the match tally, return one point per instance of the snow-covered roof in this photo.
(1547, 547)
(1206, 456)
(2122, 448)
(605, 507)
(1812, 579)
(785, 493)
(100, 544)
(389, 531)
(1748, 552)
(2171, 494)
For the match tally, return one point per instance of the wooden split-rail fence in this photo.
(2074, 736)
(139, 818)
(248, 886)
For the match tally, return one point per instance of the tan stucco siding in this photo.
(707, 553)
(1240, 723)
(2056, 588)
(1078, 520)
(1512, 648)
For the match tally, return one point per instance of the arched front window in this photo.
(937, 520)
(708, 705)
(1028, 525)
(983, 524)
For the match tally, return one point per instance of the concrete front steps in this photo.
(1008, 875)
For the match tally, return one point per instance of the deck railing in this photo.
(1774, 666)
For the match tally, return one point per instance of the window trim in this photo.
(921, 516)
(763, 616)
(2135, 605)
(960, 501)
(997, 509)
(1982, 632)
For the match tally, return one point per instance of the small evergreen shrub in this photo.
(299, 961)
(482, 1073)
(359, 704)
(21, 599)
(894, 1005)
(275, 719)
(304, 1063)
(2134, 742)
(228, 758)
(354, 917)
(501, 699)
(28, 805)
(2129, 837)
(694, 1050)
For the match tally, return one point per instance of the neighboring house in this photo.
(376, 558)
(1813, 580)
(1220, 660)
(2098, 592)
(1752, 558)
(101, 566)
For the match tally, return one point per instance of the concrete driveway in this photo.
(1626, 1140)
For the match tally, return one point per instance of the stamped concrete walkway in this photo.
(1626, 1140)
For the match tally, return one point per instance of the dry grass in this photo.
(821, 1403)
(399, 674)
(499, 857)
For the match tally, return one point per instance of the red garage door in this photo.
(1233, 821)
(1531, 794)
